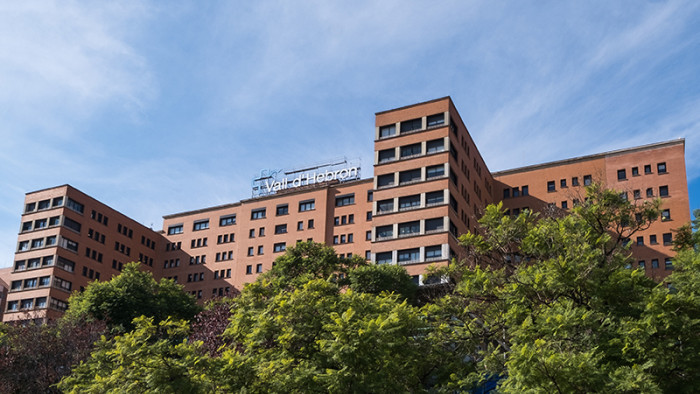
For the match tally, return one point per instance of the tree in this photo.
(153, 358)
(553, 304)
(35, 357)
(376, 279)
(131, 294)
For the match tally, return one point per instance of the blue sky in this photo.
(161, 107)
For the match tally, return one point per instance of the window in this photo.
(652, 240)
(434, 225)
(201, 225)
(551, 186)
(347, 199)
(27, 304)
(369, 216)
(54, 221)
(51, 240)
(71, 224)
(409, 202)
(74, 205)
(665, 215)
(251, 233)
(258, 268)
(351, 218)
(640, 241)
(562, 183)
(650, 192)
(587, 180)
(261, 232)
(23, 245)
(258, 213)
(635, 171)
(384, 258)
(31, 207)
(370, 196)
(30, 283)
(637, 194)
(335, 240)
(41, 302)
(248, 269)
(177, 229)
(310, 223)
(525, 191)
(574, 181)
(621, 175)
(667, 238)
(384, 232)
(300, 226)
(409, 228)
(368, 236)
(227, 220)
(280, 247)
(433, 252)
(261, 249)
(436, 120)
(385, 180)
(641, 264)
(251, 251)
(435, 146)
(654, 263)
(647, 170)
(506, 193)
(387, 131)
(435, 171)
(282, 210)
(57, 202)
(44, 204)
(280, 229)
(411, 125)
(387, 155)
(385, 206)
(564, 205)
(39, 224)
(668, 264)
(660, 168)
(663, 191)
(409, 176)
(308, 205)
(410, 150)
(408, 255)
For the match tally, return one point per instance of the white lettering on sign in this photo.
(310, 178)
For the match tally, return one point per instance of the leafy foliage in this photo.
(376, 279)
(132, 294)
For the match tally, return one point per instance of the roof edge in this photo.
(413, 105)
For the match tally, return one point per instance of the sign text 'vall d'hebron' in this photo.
(273, 181)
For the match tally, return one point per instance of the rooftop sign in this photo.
(273, 181)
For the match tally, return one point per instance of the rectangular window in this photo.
(437, 171)
(640, 241)
(201, 225)
(562, 183)
(385, 206)
(635, 171)
(652, 240)
(384, 258)
(258, 213)
(307, 205)
(551, 186)
(641, 264)
(436, 120)
(409, 176)
(435, 146)
(667, 238)
(57, 202)
(647, 170)
(408, 255)
(248, 269)
(525, 191)
(409, 202)
(261, 249)
(368, 236)
(434, 225)
(227, 220)
(668, 264)
(385, 180)
(654, 263)
(310, 223)
(176, 229)
(574, 181)
(300, 226)
(663, 191)
(251, 251)
(387, 155)
(384, 232)
(74, 205)
(665, 215)
(661, 168)
(387, 131)
(564, 205)
(506, 193)
(650, 192)
(282, 210)
(68, 244)
(621, 175)
(258, 268)
(31, 207)
(280, 247)
(412, 150)
(637, 194)
(409, 228)
(347, 199)
(369, 216)
(44, 204)
(587, 180)
(71, 224)
(261, 232)
(433, 253)
(280, 229)
(411, 125)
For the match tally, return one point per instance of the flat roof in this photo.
(589, 157)
(414, 105)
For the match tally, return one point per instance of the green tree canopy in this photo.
(376, 279)
(131, 294)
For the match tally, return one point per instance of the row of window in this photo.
(667, 239)
(198, 243)
(93, 254)
(118, 265)
(411, 256)
(121, 248)
(516, 192)
(668, 264)
(344, 219)
(224, 256)
(90, 273)
(343, 239)
(30, 283)
(41, 224)
(406, 203)
(148, 242)
(196, 260)
(37, 243)
(172, 263)
(409, 229)
(27, 304)
(660, 169)
(196, 277)
(34, 263)
(222, 274)
(225, 238)
(413, 176)
(44, 204)
(411, 151)
(95, 235)
(146, 260)
(279, 229)
(551, 185)
(127, 232)
(412, 125)
(99, 217)
(249, 269)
